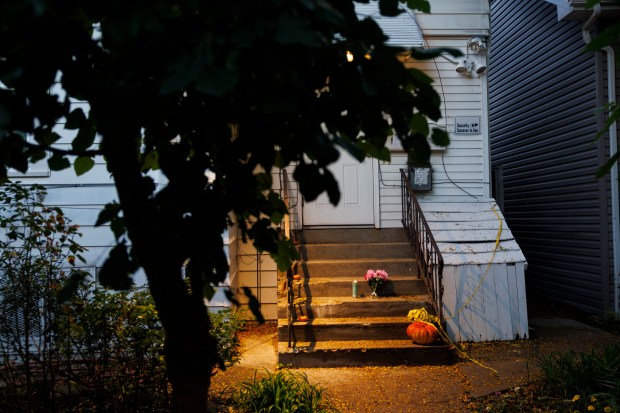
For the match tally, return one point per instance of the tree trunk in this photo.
(190, 351)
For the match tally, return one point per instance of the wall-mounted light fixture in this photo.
(469, 65)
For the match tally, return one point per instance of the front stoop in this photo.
(363, 331)
(363, 353)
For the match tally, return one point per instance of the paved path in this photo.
(426, 389)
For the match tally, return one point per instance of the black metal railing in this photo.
(291, 234)
(424, 246)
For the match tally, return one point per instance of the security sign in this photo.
(467, 125)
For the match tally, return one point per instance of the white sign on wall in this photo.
(467, 125)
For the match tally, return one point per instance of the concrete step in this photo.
(346, 329)
(347, 307)
(357, 268)
(352, 235)
(361, 250)
(341, 287)
(364, 353)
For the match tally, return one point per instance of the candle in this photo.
(354, 288)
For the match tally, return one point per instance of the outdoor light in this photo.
(462, 66)
(469, 65)
(475, 44)
(478, 67)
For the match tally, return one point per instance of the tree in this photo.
(236, 88)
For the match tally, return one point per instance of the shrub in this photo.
(583, 377)
(283, 391)
(37, 257)
(95, 350)
(225, 325)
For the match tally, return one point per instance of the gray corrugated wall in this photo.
(543, 98)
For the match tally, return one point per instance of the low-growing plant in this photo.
(283, 391)
(568, 382)
(586, 375)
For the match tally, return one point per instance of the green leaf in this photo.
(84, 138)
(150, 161)
(109, 212)
(419, 124)
(118, 227)
(353, 149)
(70, 287)
(614, 116)
(603, 170)
(116, 270)
(263, 181)
(421, 5)
(389, 8)
(58, 162)
(45, 136)
(208, 291)
(382, 154)
(285, 255)
(606, 38)
(440, 137)
(76, 119)
(83, 164)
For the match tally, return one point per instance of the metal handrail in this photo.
(289, 232)
(430, 261)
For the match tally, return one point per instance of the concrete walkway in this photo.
(426, 389)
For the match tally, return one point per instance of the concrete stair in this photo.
(345, 331)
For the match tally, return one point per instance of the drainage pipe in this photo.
(613, 148)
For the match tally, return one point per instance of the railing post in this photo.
(430, 261)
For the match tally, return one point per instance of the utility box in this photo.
(421, 177)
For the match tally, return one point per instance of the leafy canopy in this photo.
(184, 87)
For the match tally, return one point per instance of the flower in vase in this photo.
(375, 278)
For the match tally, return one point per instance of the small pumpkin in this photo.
(421, 332)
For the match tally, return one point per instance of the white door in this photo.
(356, 207)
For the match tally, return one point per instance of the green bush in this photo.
(588, 379)
(93, 351)
(225, 325)
(282, 392)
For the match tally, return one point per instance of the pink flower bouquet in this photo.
(375, 278)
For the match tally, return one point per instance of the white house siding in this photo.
(460, 168)
(82, 198)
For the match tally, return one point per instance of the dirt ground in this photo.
(433, 389)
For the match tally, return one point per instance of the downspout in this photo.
(613, 148)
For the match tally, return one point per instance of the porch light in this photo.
(469, 65)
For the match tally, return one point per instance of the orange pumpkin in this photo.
(421, 332)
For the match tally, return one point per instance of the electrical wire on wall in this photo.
(445, 117)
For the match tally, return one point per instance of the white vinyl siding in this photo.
(462, 167)
(451, 24)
